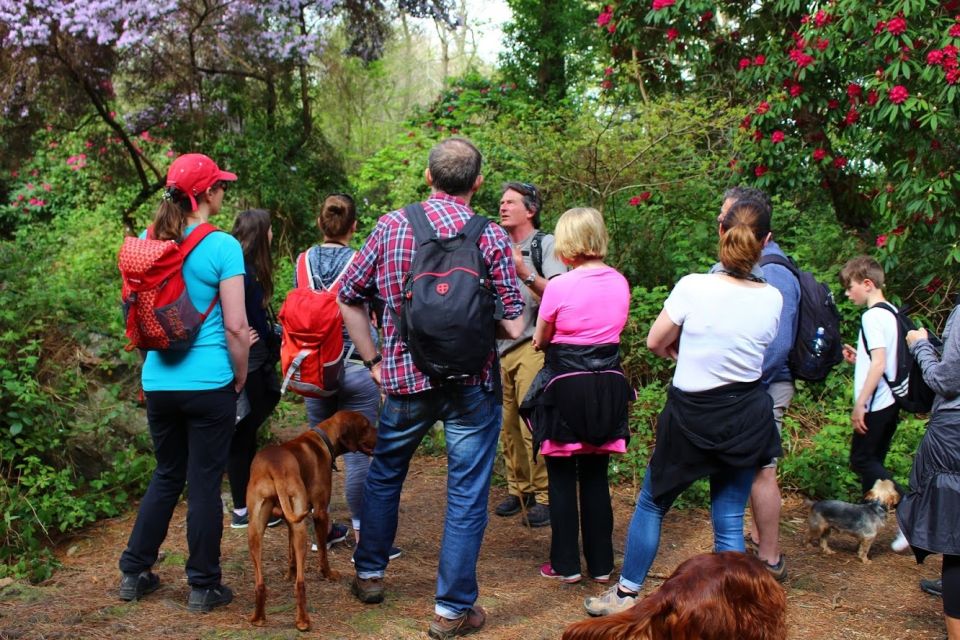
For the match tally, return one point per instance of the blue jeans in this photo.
(471, 417)
(729, 491)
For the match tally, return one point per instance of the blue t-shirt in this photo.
(206, 365)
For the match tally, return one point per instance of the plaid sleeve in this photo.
(360, 277)
(502, 271)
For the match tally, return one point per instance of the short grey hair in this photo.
(454, 165)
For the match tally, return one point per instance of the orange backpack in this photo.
(311, 344)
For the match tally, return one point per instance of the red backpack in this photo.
(311, 345)
(156, 306)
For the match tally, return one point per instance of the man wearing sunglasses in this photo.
(533, 257)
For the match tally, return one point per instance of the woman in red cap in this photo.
(192, 395)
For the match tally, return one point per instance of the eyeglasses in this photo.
(529, 187)
(222, 185)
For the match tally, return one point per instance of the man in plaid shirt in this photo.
(470, 410)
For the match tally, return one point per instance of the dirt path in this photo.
(829, 597)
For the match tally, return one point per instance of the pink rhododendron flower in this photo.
(608, 71)
(605, 16)
(763, 107)
(882, 240)
(643, 197)
(819, 154)
(759, 170)
(955, 31)
(744, 63)
(897, 25)
(759, 60)
(935, 57)
(821, 18)
(898, 94)
(672, 34)
(46, 186)
(662, 4)
(777, 137)
(953, 75)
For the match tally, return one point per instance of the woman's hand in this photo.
(254, 336)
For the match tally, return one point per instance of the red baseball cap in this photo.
(194, 173)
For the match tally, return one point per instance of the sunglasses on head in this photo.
(529, 187)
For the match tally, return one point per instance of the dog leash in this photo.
(326, 440)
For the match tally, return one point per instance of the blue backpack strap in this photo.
(783, 262)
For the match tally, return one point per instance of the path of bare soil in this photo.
(833, 597)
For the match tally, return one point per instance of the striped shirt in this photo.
(385, 258)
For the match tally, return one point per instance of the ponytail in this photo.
(745, 228)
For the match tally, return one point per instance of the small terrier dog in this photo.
(862, 520)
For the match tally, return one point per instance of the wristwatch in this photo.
(530, 279)
(372, 361)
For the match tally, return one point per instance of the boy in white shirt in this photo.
(875, 413)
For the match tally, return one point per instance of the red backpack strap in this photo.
(199, 232)
(304, 279)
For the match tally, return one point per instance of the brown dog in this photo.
(290, 480)
(712, 596)
(861, 520)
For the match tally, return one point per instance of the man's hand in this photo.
(849, 354)
(856, 418)
(916, 334)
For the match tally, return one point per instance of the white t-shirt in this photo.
(725, 329)
(880, 327)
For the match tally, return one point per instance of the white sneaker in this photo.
(900, 543)
(608, 603)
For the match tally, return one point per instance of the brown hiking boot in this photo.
(368, 590)
(470, 621)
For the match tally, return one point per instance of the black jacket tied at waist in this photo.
(702, 433)
(580, 395)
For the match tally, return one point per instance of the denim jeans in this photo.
(357, 393)
(471, 417)
(729, 491)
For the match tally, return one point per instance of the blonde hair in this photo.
(581, 233)
(862, 268)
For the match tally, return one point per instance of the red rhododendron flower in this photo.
(760, 60)
(898, 94)
(757, 135)
(819, 154)
(612, 28)
(707, 16)
(872, 97)
(795, 90)
(897, 25)
(822, 44)
(899, 230)
(854, 90)
(763, 107)
(662, 4)
(935, 57)
(878, 29)
(882, 240)
(759, 170)
(605, 17)
(732, 163)
(745, 123)
(606, 84)
(833, 104)
(744, 63)
(777, 137)
(608, 71)
(935, 144)
(672, 34)
(800, 58)
(821, 18)
(851, 117)
(955, 31)
(839, 162)
(953, 75)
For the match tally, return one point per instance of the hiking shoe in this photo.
(900, 543)
(537, 516)
(546, 571)
(470, 621)
(367, 590)
(203, 599)
(134, 586)
(395, 552)
(609, 602)
(933, 587)
(779, 570)
(338, 533)
(511, 506)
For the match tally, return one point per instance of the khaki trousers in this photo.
(519, 367)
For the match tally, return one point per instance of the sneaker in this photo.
(272, 522)
(202, 599)
(134, 586)
(933, 587)
(338, 533)
(537, 516)
(395, 552)
(239, 522)
(470, 621)
(900, 543)
(367, 590)
(609, 602)
(779, 570)
(511, 506)
(546, 571)
(604, 579)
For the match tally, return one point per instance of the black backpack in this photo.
(817, 309)
(536, 252)
(910, 392)
(449, 314)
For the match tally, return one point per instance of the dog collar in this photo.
(326, 440)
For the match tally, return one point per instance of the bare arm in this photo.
(662, 339)
(357, 322)
(543, 334)
(878, 362)
(236, 328)
(510, 329)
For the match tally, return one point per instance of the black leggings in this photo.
(951, 586)
(263, 398)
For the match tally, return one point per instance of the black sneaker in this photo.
(395, 552)
(537, 516)
(239, 522)
(338, 533)
(134, 586)
(272, 522)
(203, 600)
(933, 587)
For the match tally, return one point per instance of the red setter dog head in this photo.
(712, 596)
